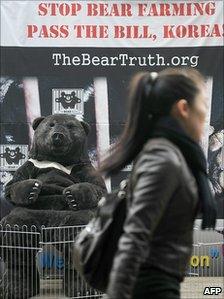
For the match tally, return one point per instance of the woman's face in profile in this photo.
(197, 114)
(193, 116)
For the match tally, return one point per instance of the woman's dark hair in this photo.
(151, 95)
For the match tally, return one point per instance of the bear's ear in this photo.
(86, 126)
(37, 121)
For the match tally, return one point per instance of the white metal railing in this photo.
(37, 263)
(206, 264)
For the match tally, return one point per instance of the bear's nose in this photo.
(58, 138)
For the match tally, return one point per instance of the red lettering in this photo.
(42, 9)
(109, 10)
(168, 31)
(75, 8)
(198, 9)
(181, 31)
(63, 9)
(153, 10)
(92, 9)
(31, 29)
(193, 8)
(216, 32)
(205, 30)
(58, 31)
(178, 9)
(91, 31)
(210, 8)
(119, 31)
(64, 31)
(43, 32)
(142, 9)
(54, 31)
(193, 31)
(133, 31)
(165, 9)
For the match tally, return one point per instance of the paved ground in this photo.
(192, 288)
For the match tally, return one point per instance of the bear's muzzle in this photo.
(58, 139)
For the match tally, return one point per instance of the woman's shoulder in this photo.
(160, 142)
(160, 148)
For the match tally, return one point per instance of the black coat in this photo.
(158, 230)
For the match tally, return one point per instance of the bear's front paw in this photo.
(25, 192)
(81, 196)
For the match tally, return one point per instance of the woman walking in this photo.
(168, 184)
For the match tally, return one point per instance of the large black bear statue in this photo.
(56, 187)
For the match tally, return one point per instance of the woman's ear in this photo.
(181, 109)
(37, 121)
(86, 127)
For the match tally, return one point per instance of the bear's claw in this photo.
(34, 192)
(70, 200)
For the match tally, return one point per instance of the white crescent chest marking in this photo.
(47, 164)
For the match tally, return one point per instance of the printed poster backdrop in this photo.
(77, 57)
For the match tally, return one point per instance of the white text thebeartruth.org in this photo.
(123, 59)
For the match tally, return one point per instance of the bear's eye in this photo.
(51, 125)
(70, 126)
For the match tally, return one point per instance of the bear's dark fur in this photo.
(57, 186)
